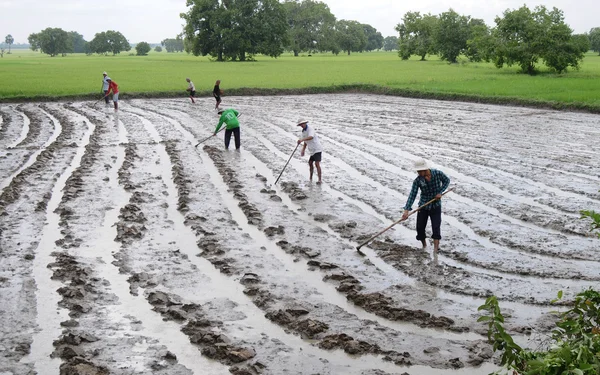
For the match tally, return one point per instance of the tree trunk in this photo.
(295, 53)
(348, 52)
(220, 56)
(423, 57)
(243, 56)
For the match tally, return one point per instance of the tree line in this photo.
(520, 37)
(240, 29)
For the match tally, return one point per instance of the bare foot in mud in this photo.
(319, 182)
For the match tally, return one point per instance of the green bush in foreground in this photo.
(573, 348)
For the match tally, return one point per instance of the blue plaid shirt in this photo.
(437, 185)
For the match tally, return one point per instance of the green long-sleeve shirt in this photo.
(229, 118)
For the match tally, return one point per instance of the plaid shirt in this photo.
(437, 185)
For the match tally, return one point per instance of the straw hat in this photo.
(301, 121)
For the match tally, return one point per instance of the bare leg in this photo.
(116, 106)
(436, 245)
(424, 242)
(311, 169)
(318, 165)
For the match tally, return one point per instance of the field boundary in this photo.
(334, 89)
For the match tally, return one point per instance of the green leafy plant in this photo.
(574, 346)
(595, 216)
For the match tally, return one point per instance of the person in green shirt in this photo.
(229, 117)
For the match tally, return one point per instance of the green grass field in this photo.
(29, 75)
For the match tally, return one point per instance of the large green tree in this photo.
(142, 48)
(523, 37)
(390, 43)
(173, 44)
(77, 41)
(51, 41)
(481, 42)
(374, 38)
(310, 23)
(235, 29)
(416, 35)
(350, 36)
(109, 41)
(594, 36)
(9, 40)
(451, 35)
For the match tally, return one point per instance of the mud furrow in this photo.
(213, 248)
(34, 130)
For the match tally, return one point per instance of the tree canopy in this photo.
(524, 36)
(417, 35)
(390, 43)
(109, 41)
(173, 44)
(235, 29)
(9, 40)
(594, 36)
(374, 38)
(77, 41)
(142, 48)
(350, 36)
(451, 35)
(51, 41)
(310, 25)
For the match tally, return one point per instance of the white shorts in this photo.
(116, 97)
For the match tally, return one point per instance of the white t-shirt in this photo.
(314, 145)
(191, 86)
(105, 83)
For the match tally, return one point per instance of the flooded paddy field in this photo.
(124, 249)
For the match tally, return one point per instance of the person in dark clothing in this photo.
(432, 184)
(217, 93)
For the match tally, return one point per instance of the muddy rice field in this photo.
(124, 249)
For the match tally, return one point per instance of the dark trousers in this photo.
(436, 221)
(236, 134)
(106, 98)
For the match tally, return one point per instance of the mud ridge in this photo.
(79, 295)
(64, 139)
(201, 331)
(6, 121)
(35, 126)
(290, 318)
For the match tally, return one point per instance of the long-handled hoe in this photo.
(98, 101)
(293, 152)
(398, 221)
(207, 138)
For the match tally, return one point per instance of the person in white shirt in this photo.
(105, 86)
(192, 89)
(310, 140)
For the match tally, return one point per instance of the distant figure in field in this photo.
(432, 184)
(217, 93)
(310, 139)
(105, 80)
(112, 86)
(192, 89)
(229, 117)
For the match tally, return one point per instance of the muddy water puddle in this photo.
(512, 231)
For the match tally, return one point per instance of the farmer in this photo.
(229, 117)
(105, 86)
(310, 139)
(112, 86)
(432, 183)
(217, 93)
(192, 89)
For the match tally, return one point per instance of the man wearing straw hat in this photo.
(105, 80)
(310, 139)
(432, 184)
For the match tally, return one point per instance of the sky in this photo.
(154, 20)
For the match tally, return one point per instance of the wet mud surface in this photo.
(124, 249)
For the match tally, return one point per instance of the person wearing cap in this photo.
(192, 89)
(311, 140)
(432, 183)
(229, 117)
(105, 86)
(112, 86)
